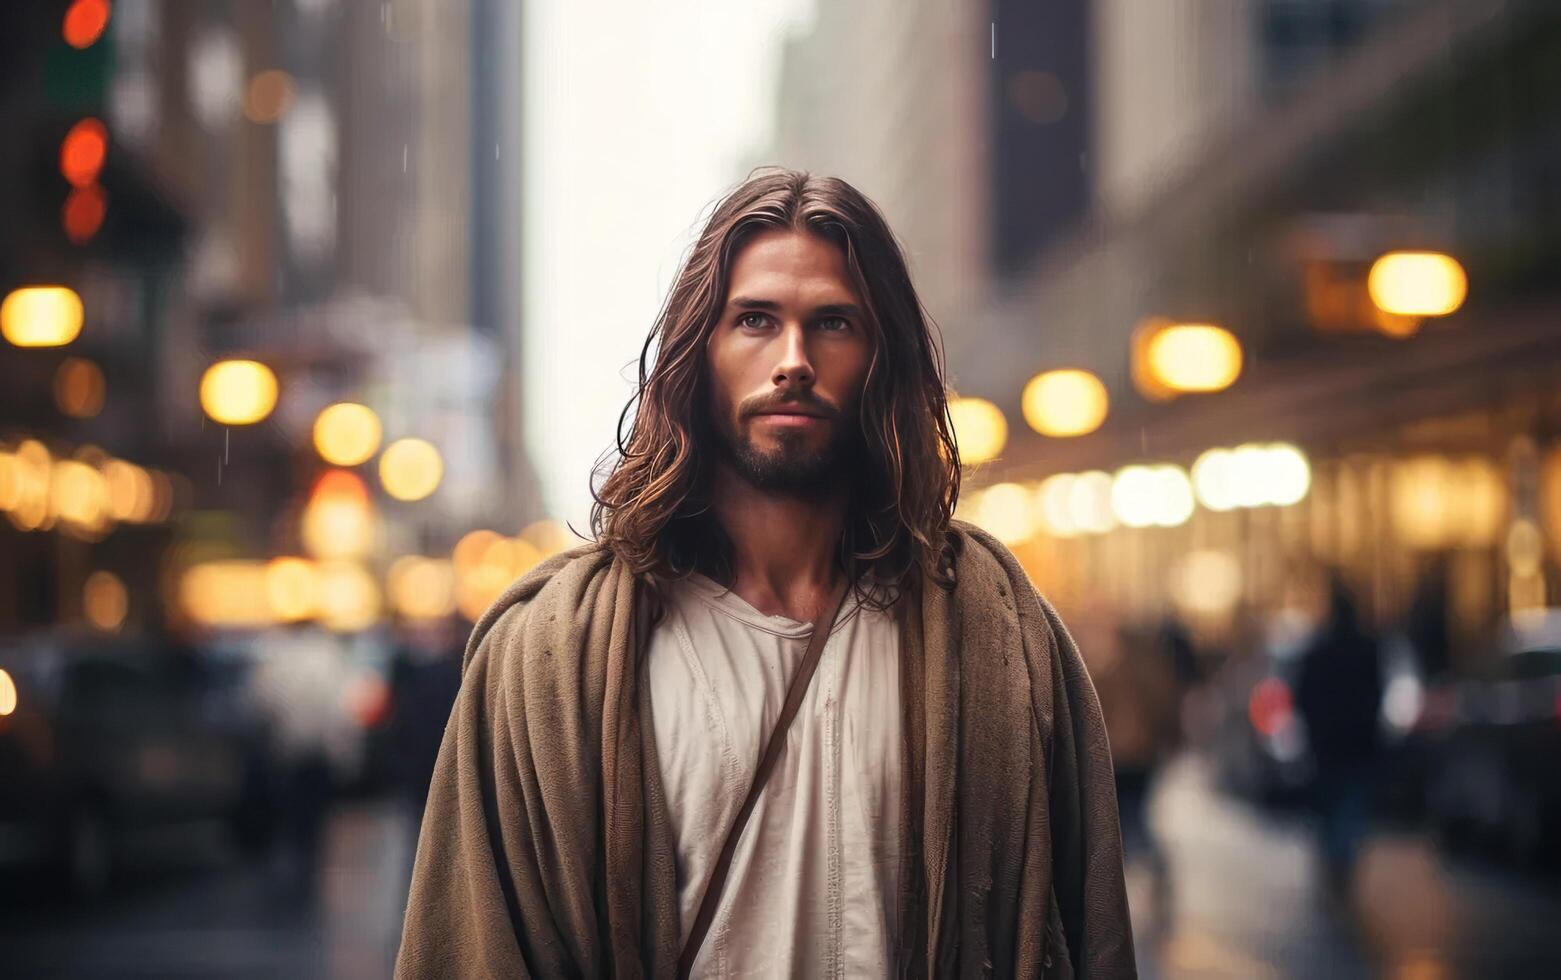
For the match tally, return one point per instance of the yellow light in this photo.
(129, 490)
(162, 497)
(485, 565)
(469, 550)
(41, 316)
(10, 481)
(78, 388)
(347, 433)
(421, 588)
(1214, 479)
(105, 601)
(78, 495)
(410, 469)
(238, 392)
(225, 593)
(1417, 283)
(1007, 511)
(1289, 475)
(1089, 503)
(1206, 583)
(31, 467)
(1065, 403)
(349, 598)
(1194, 357)
(7, 693)
(1151, 496)
(1053, 500)
(338, 526)
(979, 428)
(291, 585)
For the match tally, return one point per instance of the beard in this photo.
(792, 468)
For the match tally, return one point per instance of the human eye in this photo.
(834, 324)
(753, 321)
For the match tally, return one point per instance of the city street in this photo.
(205, 914)
(1246, 905)
(1244, 908)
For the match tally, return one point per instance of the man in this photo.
(942, 802)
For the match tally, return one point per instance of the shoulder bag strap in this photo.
(772, 751)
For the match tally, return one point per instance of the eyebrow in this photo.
(827, 309)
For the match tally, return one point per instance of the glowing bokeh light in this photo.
(410, 469)
(1194, 357)
(84, 22)
(979, 428)
(347, 433)
(83, 151)
(421, 588)
(238, 392)
(105, 601)
(41, 316)
(1417, 283)
(79, 388)
(1065, 403)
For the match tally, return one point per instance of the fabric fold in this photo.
(546, 849)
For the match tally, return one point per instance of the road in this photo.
(1243, 906)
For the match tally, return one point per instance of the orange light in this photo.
(83, 213)
(78, 388)
(84, 22)
(341, 483)
(269, 97)
(83, 151)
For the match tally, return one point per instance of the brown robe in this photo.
(546, 849)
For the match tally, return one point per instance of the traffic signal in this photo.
(76, 75)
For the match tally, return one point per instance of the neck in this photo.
(783, 548)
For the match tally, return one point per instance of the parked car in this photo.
(1493, 783)
(109, 738)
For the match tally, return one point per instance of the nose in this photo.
(794, 369)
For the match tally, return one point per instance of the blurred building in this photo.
(328, 189)
(1362, 254)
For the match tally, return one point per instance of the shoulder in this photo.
(988, 578)
(980, 561)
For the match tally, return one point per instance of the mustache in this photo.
(805, 400)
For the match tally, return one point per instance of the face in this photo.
(788, 360)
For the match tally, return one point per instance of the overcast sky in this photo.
(636, 121)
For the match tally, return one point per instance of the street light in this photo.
(411, 469)
(979, 428)
(1065, 403)
(1417, 283)
(41, 316)
(347, 433)
(238, 392)
(1194, 357)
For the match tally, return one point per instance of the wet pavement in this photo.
(1245, 905)
(1248, 903)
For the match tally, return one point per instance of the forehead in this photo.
(788, 266)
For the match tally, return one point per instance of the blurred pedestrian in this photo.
(1138, 679)
(299, 685)
(1339, 697)
(424, 678)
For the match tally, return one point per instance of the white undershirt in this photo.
(814, 880)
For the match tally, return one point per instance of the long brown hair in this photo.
(651, 509)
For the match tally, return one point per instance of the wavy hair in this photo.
(652, 509)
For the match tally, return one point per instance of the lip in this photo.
(791, 418)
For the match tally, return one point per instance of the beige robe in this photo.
(545, 849)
